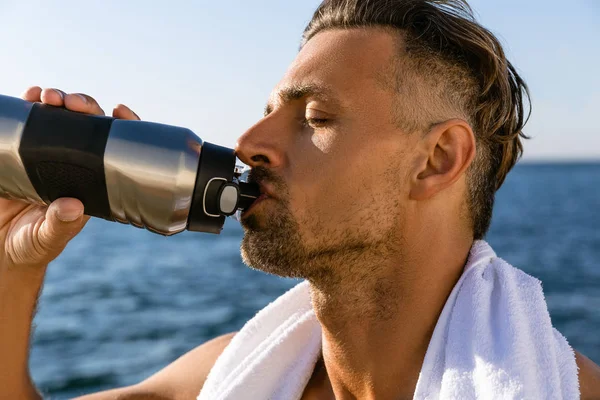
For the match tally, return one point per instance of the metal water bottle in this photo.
(154, 176)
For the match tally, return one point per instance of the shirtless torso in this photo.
(185, 377)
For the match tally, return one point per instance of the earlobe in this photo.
(447, 152)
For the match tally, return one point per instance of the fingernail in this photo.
(60, 93)
(82, 98)
(68, 214)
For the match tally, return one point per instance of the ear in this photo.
(445, 153)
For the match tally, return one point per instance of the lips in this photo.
(266, 193)
(259, 200)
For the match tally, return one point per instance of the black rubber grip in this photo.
(63, 154)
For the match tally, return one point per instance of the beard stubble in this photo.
(273, 242)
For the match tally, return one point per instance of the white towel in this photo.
(493, 340)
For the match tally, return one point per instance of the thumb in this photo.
(64, 220)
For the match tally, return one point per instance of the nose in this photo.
(262, 145)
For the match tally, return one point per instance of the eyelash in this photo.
(314, 122)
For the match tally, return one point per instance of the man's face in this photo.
(331, 153)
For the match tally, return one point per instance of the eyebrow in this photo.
(298, 92)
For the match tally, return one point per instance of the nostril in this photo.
(260, 158)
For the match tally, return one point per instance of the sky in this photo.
(210, 65)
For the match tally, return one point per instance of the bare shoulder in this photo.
(589, 377)
(182, 379)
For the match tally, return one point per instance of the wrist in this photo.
(22, 278)
(19, 291)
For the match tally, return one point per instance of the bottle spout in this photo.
(249, 191)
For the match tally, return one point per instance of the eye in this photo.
(315, 122)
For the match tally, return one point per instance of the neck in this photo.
(378, 319)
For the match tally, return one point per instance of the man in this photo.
(380, 150)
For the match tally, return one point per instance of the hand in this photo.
(31, 236)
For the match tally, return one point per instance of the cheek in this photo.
(323, 143)
(357, 191)
(356, 197)
(346, 182)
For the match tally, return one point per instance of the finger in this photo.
(82, 103)
(54, 97)
(64, 220)
(121, 111)
(32, 94)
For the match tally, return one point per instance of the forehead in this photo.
(343, 61)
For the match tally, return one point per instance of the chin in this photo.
(274, 251)
(273, 243)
